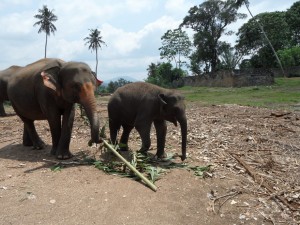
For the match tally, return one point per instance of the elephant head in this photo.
(173, 109)
(75, 83)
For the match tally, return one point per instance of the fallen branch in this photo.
(262, 183)
(280, 114)
(149, 183)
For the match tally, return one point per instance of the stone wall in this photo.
(289, 72)
(236, 78)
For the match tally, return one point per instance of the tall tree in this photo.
(175, 45)
(230, 57)
(163, 74)
(260, 37)
(46, 18)
(293, 20)
(265, 36)
(94, 40)
(209, 21)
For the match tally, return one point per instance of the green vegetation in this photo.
(285, 93)
(163, 74)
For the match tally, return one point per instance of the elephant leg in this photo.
(2, 111)
(55, 128)
(30, 133)
(63, 151)
(26, 138)
(124, 138)
(144, 131)
(114, 127)
(161, 131)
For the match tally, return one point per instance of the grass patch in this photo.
(285, 93)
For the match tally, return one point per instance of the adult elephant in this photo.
(138, 105)
(47, 90)
(5, 75)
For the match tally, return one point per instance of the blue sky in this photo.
(131, 29)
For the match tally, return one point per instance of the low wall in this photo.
(289, 72)
(236, 78)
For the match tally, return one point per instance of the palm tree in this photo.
(46, 19)
(94, 40)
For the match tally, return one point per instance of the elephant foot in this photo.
(143, 151)
(53, 151)
(161, 156)
(39, 145)
(27, 143)
(64, 155)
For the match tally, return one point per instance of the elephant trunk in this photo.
(183, 125)
(89, 105)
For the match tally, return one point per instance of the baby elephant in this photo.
(137, 105)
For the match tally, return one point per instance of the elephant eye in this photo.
(76, 87)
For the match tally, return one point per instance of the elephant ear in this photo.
(166, 107)
(49, 81)
(162, 99)
(50, 77)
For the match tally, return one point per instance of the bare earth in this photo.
(254, 178)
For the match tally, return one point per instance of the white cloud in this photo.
(17, 23)
(176, 6)
(140, 6)
(67, 50)
(131, 29)
(120, 41)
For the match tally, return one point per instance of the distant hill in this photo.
(106, 82)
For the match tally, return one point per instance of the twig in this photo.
(257, 179)
(65, 163)
(230, 195)
(266, 218)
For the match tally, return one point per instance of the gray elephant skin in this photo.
(47, 90)
(138, 105)
(5, 76)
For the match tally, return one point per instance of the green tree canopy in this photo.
(45, 18)
(94, 40)
(251, 41)
(175, 45)
(293, 20)
(229, 57)
(209, 21)
(163, 74)
(290, 57)
(114, 85)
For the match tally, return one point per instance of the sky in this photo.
(131, 29)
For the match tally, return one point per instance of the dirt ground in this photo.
(254, 177)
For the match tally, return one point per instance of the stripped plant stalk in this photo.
(149, 183)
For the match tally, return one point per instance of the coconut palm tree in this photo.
(94, 40)
(45, 21)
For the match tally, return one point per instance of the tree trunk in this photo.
(96, 60)
(46, 45)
